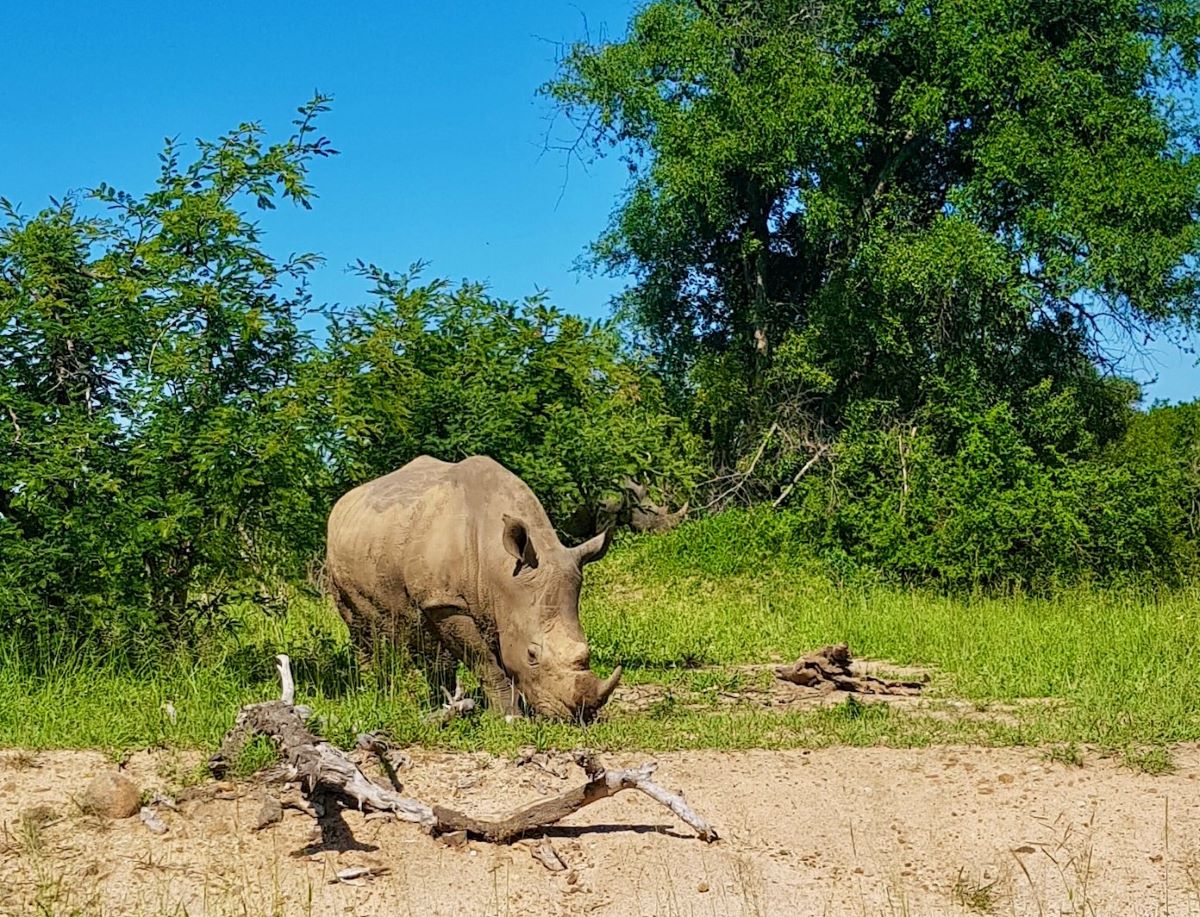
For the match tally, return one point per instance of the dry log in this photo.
(830, 669)
(322, 769)
(601, 784)
(317, 765)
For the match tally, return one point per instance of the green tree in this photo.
(895, 202)
(452, 372)
(155, 449)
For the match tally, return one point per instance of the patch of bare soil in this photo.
(836, 831)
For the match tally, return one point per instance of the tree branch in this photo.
(322, 769)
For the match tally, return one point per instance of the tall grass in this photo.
(1120, 664)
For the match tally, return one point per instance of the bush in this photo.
(453, 372)
(156, 455)
(171, 438)
(970, 501)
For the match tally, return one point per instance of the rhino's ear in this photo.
(518, 543)
(594, 548)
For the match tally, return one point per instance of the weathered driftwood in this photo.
(829, 669)
(322, 769)
(457, 704)
(601, 784)
(313, 762)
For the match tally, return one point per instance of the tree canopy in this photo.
(904, 203)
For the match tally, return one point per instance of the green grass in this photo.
(682, 610)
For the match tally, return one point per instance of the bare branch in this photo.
(322, 769)
(786, 492)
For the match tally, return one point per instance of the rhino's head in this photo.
(542, 646)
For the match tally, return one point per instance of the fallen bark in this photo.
(830, 669)
(322, 769)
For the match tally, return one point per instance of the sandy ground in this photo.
(837, 831)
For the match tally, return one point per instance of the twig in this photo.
(284, 665)
(457, 704)
(16, 426)
(744, 476)
(786, 492)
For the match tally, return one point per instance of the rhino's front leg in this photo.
(459, 634)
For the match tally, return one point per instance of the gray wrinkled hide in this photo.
(458, 562)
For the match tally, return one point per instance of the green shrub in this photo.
(156, 455)
(171, 437)
(452, 372)
(974, 503)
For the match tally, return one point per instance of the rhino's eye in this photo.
(532, 654)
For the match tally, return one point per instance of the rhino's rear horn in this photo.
(639, 491)
(594, 548)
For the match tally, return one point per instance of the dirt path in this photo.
(837, 831)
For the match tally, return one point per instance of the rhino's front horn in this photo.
(604, 692)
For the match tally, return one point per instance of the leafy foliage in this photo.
(889, 254)
(171, 436)
(894, 203)
(156, 452)
(880, 251)
(990, 510)
(452, 372)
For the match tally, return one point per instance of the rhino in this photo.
(631, 507)
(459, 562)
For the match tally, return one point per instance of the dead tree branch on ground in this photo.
(322, 769)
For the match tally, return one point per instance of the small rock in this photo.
(112, 796)
(152, 821)
(702, 887)
(453, 838)
(271, 813)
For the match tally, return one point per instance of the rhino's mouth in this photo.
(587, 696)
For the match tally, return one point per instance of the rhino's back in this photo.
(369, 523)
(426, 517)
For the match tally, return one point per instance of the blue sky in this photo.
(435, 113)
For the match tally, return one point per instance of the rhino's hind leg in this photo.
(361, 620)
(459, 634)
(373, 635)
